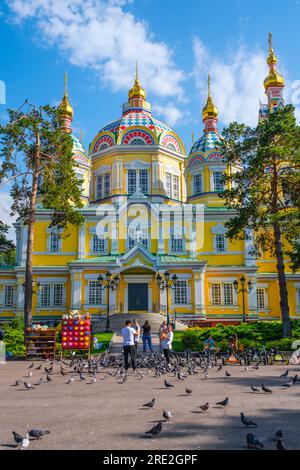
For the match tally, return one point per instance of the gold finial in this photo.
(80, 136)
(193, 137)
(65, 105)
(137, 91)
(209, 110)
(66, 83)
(274, 79)
(270, 40)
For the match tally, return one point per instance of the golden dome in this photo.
(210, 110)
(65, 105)
(137, 91)
(274, 78)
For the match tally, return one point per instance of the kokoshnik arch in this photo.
(138, 164)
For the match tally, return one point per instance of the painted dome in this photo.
(79, 152)
(137, 126)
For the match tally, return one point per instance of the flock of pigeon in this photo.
(79, 369)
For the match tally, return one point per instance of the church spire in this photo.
(66, 109)
(137, 91)
(210, 111)
(274, 82)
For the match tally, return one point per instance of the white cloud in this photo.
(103, 35)
(171, 113)
(237, 83)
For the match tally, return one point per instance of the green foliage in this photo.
(254, 334)
(7, 247)
(14, 340)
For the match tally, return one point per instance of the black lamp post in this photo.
(165, 283)
(244, 287)
(110, 282)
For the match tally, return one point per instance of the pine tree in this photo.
(262, 187)
(37, 157)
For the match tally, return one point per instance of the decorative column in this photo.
(81, 241)
(163, 300)
(199, 292)
(20, 295)
(117, 175)
(161, 241)
(249, 245)
(76, 289)
(252, 310)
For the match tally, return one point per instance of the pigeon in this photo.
(31, 366)
(24, 443)
(28, 385)
(189, 391)
(288, 384)
(38, 367)
(29, 374)
(167, 415)
(62, 372)
(49, 378)
(265, 389)
(253, 442)
(40, 381)
(256, 367)
(219, 368)
(150, 404)
(71, 379)
(280, 445)
(278, 434)
(38, 433)
(17, 383)
(295, 378)
(204, 407)
(168, 385)
(180, 376)
(227, 374)
(155, 430)
(224, 402)
(17, 438)
(248, 422)
(284, 375)
(82, 377)
(254, 389)
(124, 378)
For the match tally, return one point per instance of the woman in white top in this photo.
(166, 343)
(137, 328)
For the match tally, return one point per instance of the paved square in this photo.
(109, 414)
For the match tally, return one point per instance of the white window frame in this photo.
(138, 177)
(222, 297)
(9, 296)
(174, 241)
(52, 303)
(57, 232)
(181, 292)
(172, 185)
(212, 171)
(263, 287)
(103, 185)
(219, 229)
(95, 296)
(101, 243)
(197, 176)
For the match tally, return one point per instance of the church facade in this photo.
(149, 206)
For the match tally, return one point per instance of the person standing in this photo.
(167, 339)
(147, 336)
(163, 329)
(137, 328)
(128, 334)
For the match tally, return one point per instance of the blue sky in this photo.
(175, 42)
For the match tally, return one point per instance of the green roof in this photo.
(98, 259)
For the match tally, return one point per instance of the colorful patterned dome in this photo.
(137, 126)
(79, 152)
(205, 148)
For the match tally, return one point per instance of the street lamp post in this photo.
(244, 287)
(110, 283)
(165, 283)
(34, 291)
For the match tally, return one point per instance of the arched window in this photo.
(103, 146)
(137, 141)
(171, 147)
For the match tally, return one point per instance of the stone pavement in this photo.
(109, 414)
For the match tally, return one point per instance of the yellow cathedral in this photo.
(149, 206)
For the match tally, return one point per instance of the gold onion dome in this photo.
(274, 79)
(210, 110)
(65, 105)
(137, 91)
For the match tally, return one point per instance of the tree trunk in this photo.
(30, 239)
(284, 303)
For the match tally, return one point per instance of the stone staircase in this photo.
(117, 321)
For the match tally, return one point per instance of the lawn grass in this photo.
(103, 338)
(177, 344)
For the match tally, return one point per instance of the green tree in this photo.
(7, 247)
(37, 158)
(260, 186)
